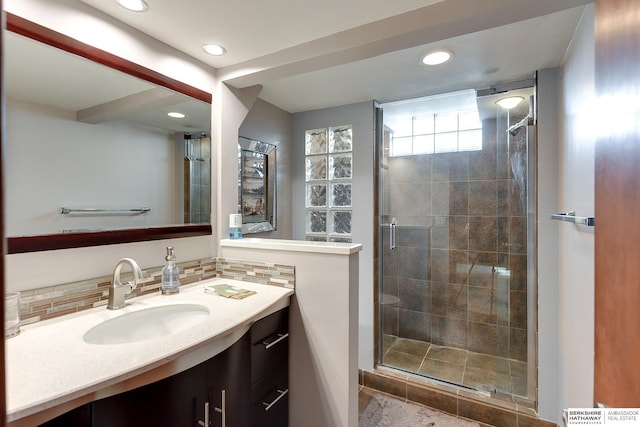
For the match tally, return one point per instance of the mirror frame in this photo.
(267, 152)
(55, 241)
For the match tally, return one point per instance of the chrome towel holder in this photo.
(97, 211)
(571, 217)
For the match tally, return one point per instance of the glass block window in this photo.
(438, 133)
(316, 195)
(328, 174)
(341, 195)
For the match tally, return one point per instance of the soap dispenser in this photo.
(170, 274)
(235, 226)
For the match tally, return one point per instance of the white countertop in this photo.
(48, 365)
(293, 245)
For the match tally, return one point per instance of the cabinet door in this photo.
(270, 344)
(270, 398)
(269, 371)
(177, 401)
(229, 374)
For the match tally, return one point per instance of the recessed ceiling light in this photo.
(213, 49)
(437, 57)
(509, 102)
(176, 115)
(133, 5)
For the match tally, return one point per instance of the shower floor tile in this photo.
(411, 346)
(388, 342)
(518, 369)
(483, 379)
(447, 354)
(488, 363)
(476, 370)
(405, 361)
(519, 386)
(441, 370)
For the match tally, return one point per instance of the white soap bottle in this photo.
(170, 274)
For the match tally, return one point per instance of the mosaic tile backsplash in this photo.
(46, 303)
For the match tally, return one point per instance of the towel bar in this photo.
(571, 217)
(133, 211)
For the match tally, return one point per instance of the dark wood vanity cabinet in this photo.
(174, 401)
(229, 385)
(219, 387)
(244, 386)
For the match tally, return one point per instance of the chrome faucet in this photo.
(117, 290)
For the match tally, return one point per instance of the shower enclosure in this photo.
(456, 238)
(197, 179)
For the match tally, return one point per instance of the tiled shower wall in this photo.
(54, 301)
(459, 271)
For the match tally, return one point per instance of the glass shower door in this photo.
(455, 215)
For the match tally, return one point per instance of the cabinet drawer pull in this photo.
(281, 394)
(206, 422)
(267, 345)
(223, 411)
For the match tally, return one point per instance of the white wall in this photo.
(84, 23)
(576, 243)
(143, 157)
(323, 322)
(566, 251)
(361, 116)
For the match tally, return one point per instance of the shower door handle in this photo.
(392, 236)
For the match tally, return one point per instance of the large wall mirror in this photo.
(93, 155)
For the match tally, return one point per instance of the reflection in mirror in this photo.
(256, 185)
(92, 149)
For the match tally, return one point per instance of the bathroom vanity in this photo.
(229, 369)
(245, 385)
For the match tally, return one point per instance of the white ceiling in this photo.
(309, 55)
(251, 29)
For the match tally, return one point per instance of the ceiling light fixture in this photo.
(133, 5)
(509, 102)
(213, 49)
(437, 57)
(176, 115)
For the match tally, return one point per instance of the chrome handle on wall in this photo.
(281, 394)
(223, 411)
(571, 217)
(267, 345)
(206, 421)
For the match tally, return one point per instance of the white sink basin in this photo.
(146, 324)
